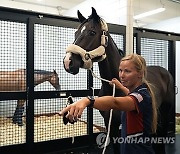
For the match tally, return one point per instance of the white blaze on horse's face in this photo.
(67, 61)
(83, 29)
(68, 55)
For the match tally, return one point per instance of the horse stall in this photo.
(35, 87)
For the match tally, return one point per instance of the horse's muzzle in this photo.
(58, 88)
(72, 63)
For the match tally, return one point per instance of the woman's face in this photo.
(129, 76)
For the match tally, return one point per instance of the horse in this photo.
(93, 43)
(16, 81)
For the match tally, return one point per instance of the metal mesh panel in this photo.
(13, 45)
(98, 121)
(49, 125)
(155, 51)
(11, 133)
(50, 45)
(12, 78)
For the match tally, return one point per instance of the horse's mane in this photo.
(42, 72)
(103, 24)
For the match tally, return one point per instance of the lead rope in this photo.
(73, 134)
(110, 116)
(70, 101)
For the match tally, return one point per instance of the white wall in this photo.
(171, 25)
(29, 7)
(103, 10)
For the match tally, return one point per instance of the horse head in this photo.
(54, 80)
(89, 44)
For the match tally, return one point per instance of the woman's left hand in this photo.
(75, 110)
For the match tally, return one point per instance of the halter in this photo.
(88, 57)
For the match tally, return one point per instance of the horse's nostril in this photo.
(73, 70)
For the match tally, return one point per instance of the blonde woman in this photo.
(139, 119)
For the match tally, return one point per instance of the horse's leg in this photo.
(17, 118)
(159, 148)
(165, 120)
(171, 113)
(171, 121)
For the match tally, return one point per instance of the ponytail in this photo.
(154, 107)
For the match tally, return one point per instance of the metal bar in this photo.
(30, 87)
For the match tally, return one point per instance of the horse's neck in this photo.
(40, 78)
(109, 68)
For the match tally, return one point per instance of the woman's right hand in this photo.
(75, 110)
(117, 83)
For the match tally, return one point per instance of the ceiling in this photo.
(109, 9)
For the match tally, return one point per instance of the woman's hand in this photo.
(75, 110)
(119, 85)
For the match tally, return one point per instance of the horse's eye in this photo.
(92, 33)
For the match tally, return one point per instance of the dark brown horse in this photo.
(93, 43)
(16, 81)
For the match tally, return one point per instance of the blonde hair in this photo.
(140, 65)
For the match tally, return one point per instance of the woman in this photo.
(139, 119)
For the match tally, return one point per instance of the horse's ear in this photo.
(54, 71)
(94, 14)
(80, 16)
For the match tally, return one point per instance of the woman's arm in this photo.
(119, 103)
(102, 103)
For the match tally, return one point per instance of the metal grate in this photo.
(13, 58)
(50, 45)
(49, 126)
(155, 51)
